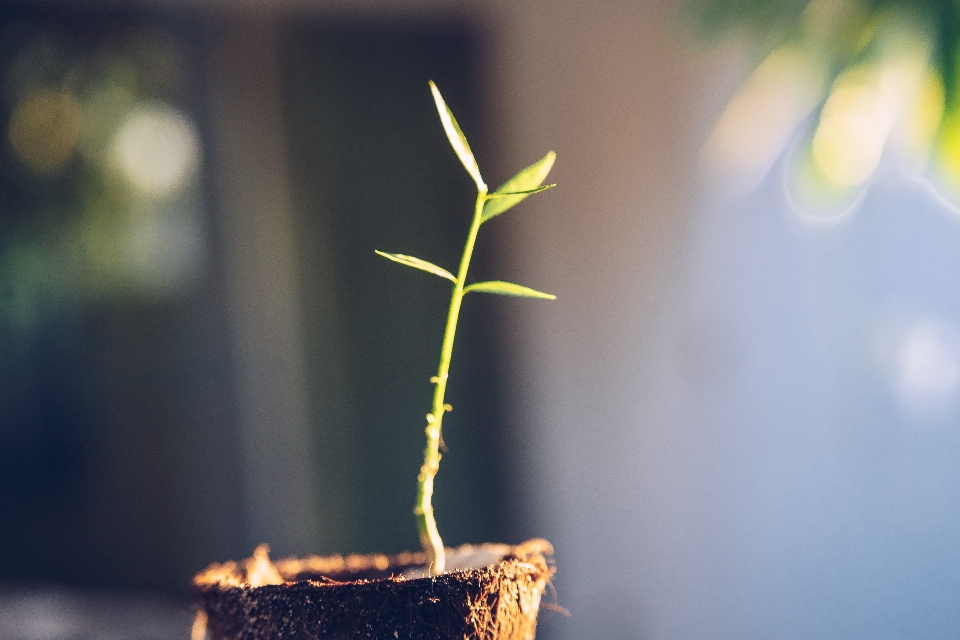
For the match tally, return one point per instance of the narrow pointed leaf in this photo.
(510, 194)
(521, 185)
(508, 289)
(457, 140)
(417, 263)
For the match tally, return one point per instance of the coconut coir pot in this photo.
(490, 592)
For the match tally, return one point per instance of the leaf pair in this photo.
(492, 286)
(526, 182)
(514, 190)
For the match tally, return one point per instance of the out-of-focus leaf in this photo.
(774, 22)
(417, 263)
(518, 187)
(457, 140)
(508, 289)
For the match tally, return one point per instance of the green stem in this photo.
(426, 524)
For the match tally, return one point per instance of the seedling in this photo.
(488, 205)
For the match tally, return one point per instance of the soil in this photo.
(490, 592)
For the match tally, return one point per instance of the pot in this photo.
(490, 592)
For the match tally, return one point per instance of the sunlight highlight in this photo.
(949, 154)
(759, 121)
(858, 117)
(853, 130)
(922, 119)
(157, 148)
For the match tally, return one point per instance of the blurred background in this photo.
(740, 418)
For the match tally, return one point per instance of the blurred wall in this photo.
(116, 409)
(275, 392)
(618, 90)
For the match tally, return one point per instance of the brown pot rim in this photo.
(322, 597)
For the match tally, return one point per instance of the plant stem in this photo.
(426, 524)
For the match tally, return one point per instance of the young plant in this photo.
(487, 205)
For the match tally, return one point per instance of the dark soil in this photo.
(490, 592)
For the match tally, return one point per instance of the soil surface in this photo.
(490, 592)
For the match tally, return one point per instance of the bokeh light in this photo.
(157, 149)
(922, 120)
(853, 128)
(886, 94)
(43, 129)
(99, 119)
(861, 110)
(928, 380)
(758, 122)
(948, 152)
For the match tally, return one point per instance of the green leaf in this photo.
(510, 194)
(518, 187)
(417, 263)
(508, 289)
(457, 140)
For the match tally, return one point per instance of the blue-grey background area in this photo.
(774, 474)
(837, 496)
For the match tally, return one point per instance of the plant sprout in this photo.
(488, 205)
